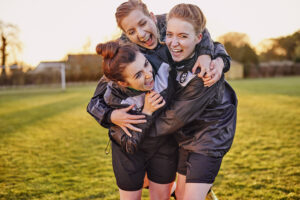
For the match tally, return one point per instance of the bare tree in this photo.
(10, 44)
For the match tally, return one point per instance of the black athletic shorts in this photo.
(156, 156)
(198, 168)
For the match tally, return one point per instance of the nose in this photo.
(140, 33)
(174, 42)
(148, 75)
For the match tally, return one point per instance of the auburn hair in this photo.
(116, 57)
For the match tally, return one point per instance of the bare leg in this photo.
(196, 191)
(179, 192)
(159, 191)
(130, 195)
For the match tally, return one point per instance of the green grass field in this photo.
(50, 148)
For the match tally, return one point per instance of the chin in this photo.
(152, 46)
(176, 59)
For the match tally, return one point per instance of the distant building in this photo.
(15, 67)
(236, 71)
(49, 66)
(279, 68)
(83, 67)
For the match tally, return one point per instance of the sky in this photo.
(50, 29)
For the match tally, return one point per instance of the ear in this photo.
(152, 16)
(123, 84)
(199, 37)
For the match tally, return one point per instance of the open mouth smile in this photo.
(149, 83)
(148, 40)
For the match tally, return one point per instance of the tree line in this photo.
(273, 49)
(237, 45)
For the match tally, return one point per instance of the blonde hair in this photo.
(127, 7)
(190, 13)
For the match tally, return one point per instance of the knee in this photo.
(159, 195)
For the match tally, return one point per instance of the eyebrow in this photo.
(183, 33)
(139, 22)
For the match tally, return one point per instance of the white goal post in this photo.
(63, 76)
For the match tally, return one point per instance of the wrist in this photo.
(146, 112)
(221, 62)
(112, 116)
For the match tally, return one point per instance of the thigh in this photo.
(180, 185)
(202, 169)
(129, 169)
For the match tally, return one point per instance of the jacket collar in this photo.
(187, 64)
(124, 91)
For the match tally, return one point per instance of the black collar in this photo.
(187, 64)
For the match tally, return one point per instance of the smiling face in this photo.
(181, 39)
(141, 29)
(138, 74)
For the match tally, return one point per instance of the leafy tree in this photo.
(281, 48)
(238, 47)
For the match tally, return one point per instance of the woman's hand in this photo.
(211, 70)
(203, 63)
(121, 118)
(215, 72)
(153, 101)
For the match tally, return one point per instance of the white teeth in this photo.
(146, 38)
(149, 82)
(176, 50)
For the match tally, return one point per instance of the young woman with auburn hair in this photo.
(144, 82)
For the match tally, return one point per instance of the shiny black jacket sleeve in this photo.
(97, 106)
(219, 51)
(188, 104)
(129, 144)
(214, 49)
(206, 45)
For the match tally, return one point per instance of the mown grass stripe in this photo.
(61, 156)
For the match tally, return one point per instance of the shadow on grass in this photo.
(17, 120)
